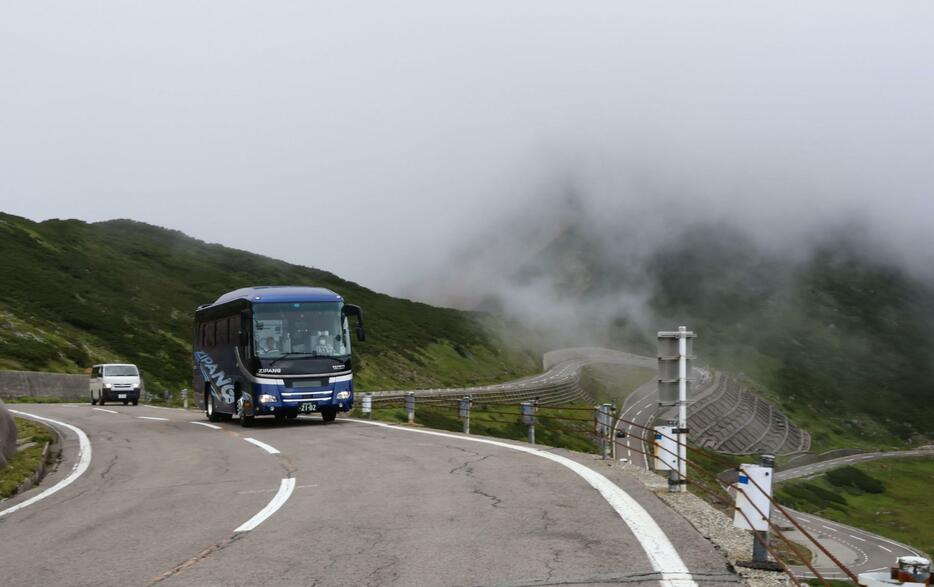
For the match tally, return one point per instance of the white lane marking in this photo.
(206, 424)
(252, 491)
(661, 553)
(270, 449)
(883, 548)
(857, 537)
(153, 418)
(829, 528)
(639, 412)
(84, 460)
(285, 490)
(103, 410)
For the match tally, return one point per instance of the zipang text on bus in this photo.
(274, 351)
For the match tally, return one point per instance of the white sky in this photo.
(373, 138)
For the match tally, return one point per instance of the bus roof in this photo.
(277, 293)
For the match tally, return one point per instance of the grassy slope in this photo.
(77, 293)
(903, 511)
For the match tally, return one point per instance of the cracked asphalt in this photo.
(371, 506)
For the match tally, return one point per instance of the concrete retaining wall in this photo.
(37, 384)
(7, 436)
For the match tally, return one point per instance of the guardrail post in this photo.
(410, 406)
(603, 425)
(611, 434)
(527, 409)
(185, 398)
(367, 407)
(463, 406)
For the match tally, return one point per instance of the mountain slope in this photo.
(76, 293)
(837, 333)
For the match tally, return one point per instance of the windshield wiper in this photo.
(279, 358)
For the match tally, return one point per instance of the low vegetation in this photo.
(27, 461)
(890, 497)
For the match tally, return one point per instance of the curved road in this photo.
(168, 499)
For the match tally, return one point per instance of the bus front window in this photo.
(315, 329)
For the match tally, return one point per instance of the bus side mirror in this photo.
(351, 310)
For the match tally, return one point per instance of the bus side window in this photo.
(233, 326)
(222, 331)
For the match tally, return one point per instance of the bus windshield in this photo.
(310, 329)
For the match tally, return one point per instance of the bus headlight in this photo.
(267, 399)
(343, 394)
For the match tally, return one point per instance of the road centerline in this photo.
(270, 449)
(285, 490)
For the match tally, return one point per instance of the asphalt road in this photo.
(166, 499)
(858, 550)
(830, 464)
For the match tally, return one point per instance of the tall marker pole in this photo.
(682, 407)
(674, 376)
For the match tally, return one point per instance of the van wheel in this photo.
(136, 402)
(125, 402)
(328, 414)
(209, 409)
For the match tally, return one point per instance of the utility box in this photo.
(666, 448)
(668, 365)
(749, 497)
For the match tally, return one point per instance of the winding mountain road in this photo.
(168, 498)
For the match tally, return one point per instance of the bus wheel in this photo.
(328, 414)
(209, 410)
(280, 417)
(245, 421)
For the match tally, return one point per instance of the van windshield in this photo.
(120, 371)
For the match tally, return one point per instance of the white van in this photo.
(114, 383)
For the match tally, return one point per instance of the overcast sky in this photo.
(373, 138)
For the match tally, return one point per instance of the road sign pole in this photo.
(682, 407)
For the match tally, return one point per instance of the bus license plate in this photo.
(307, 407)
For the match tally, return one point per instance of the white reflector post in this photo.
(749, 497)
(666, 448)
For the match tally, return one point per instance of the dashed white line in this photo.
(207, 425)
(285, 490)
(883, 548)
(829, 528)
(270, 449)
(104, 410)
(658, 548)
(84, 460)
(153, 418)
(857, 537)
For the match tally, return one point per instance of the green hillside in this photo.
(75, 293)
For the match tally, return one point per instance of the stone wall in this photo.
(15, 384)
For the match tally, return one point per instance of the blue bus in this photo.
(275, 351)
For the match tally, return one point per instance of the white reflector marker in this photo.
(84, 460)
(285, 490)
(270, 449)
